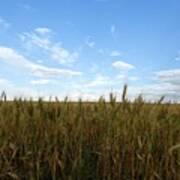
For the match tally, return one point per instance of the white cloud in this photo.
(85, 96)
(133, 78)
(156, 90)
(120, 76)
(41, 38)
(40, 82)
(4, 24)
(11, 57)
(4, 84)
(63, 55)
(43, 30)
(42, 71)
(169, 76)
(8, 87)
(3, 81)
(13, 91)
(34, 39)
(97, 88)
(99, 80)
(125, 78)
(120, 65)
(103, 81)
(167, 83)
(115, 53)
(89, 42)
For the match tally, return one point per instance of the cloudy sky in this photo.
(88, 48)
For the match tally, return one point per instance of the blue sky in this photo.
(87, 48)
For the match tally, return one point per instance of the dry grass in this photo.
(84, 141)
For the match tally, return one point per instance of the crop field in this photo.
(87, 141)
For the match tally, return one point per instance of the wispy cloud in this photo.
(125, 78)
(25, 6)
(15, 59)
(101, 51)
(133, 78)
(169, 76)
(89, 42)
(43, 30)
(41, 82)
(94, 68)
(113, 29)
(166, 83)
(35, 39)
(154, 91)
(13, 90)
(115, 53)
(4, 85)
(63, 55)
(109, 82)
(4, 24)
(120, 76)
(99, 80)
(41, 38)
(39, 61)
(2, 80)
(123, 66)
(177, 58)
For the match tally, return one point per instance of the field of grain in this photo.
(84, 141)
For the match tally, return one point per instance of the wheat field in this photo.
(89, 140)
